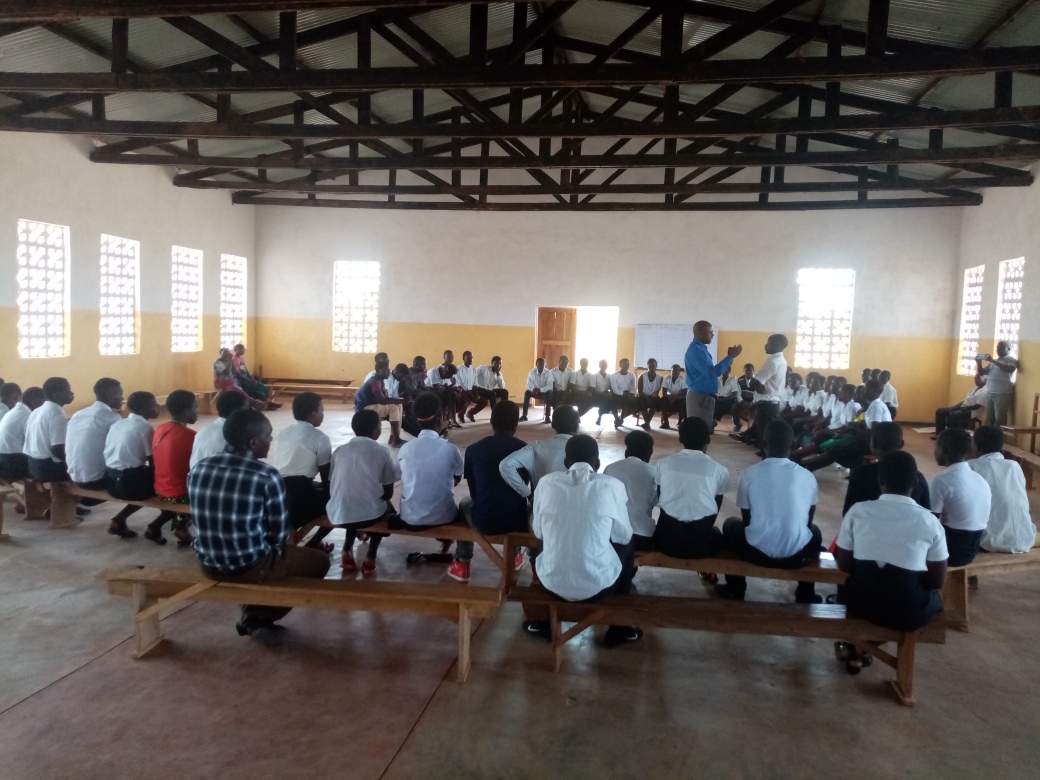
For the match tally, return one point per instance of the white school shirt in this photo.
(772, 375)
(466, 376)
(601, 382)
(577, 514)
(622, 383)
(390, 385)
(1010, 529)
(893, 530)
(12, 430)
(436, 377)
(4, 409)
(582, 381)
(539, 458)
(208, 442)
(827, 404)
(977, 396)
(129, 443)
(840, 414)
(360, 468)
(85, 436)
(429, 465)
(640, 481)
(779, 494)
(729, 388)
(300, 450)
(877, 412)
(677, 386)
(798, 398)
(961, 498)
(784, 395)
(542, 381)
(890, 396)
(998, 381)
(561, 379)
(816, 401)
(690, 480)
(650, 386)
(489, 380)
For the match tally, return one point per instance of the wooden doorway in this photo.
(556, 336)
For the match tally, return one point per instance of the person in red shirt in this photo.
(171, 454)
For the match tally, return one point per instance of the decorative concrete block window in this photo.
(120, 272)
(1009, 301)
(355, 306)
(186, 289)
(232, 300)
(971, 306)
(825, 297)
(43, 289)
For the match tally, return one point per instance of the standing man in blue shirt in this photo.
(702, 373)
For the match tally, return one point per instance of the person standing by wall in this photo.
(702, 374)
(1000, 389)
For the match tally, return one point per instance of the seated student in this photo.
(797, 398)
(747, 395)
(729, 399)
(889, 395)
(492, 507)
(252, 385)
(648, 395)
(431, 467)
(580, 391)
(864, 484)
(172, 443)
(380, 358)
(372, 395)
(239, 508)
(1010, 528)
(465, 380)
(692, 485)
(849, 448)
(210, 440)
(961, 498)
(542, 457)
(489, 387)
(300, 453)
(128, 454)
(813, 412)
(1000, 389)
(599, 394)
(777, 500)
(563, 376)
(864, 376)
(960, 415)
(582, 519)
(539, 385)
(45, 433)
(623, 393)
(14, 463)
(409, 385)
(363, 476)
(843, 414)
(673, 397)
(9, 397)
(640, 480)
(441, 380)
(895, 554)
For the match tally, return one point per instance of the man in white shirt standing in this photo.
(210, 440)
(466, 379)
(539, 385)
(1010, 528)
(766, 386)
(582, 519)
(45, 432)
(640, 480)
(14, 463)
(777, 501)
(1000, 385)
(960, 497)
(623, 393)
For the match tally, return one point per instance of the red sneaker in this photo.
(368, 567)
(518, 561)
(459, 571)
(348, 564)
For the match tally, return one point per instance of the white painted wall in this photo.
(49, 178)
(736, 269)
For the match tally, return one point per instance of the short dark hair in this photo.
(872, 386)
(581, 449)
(897, 471)
(140, 402)
(9, 390)
(780, 340)
(640, 444)
(778, 436)
(365, 421)
(304, 405)
(418, 359)
(566, 420)
(105, 385)
(505, 416)
(53, 385)
(988, 439)
(179, 402)
(954, 444)
(427, 408)
(694, 433)
(795, 375)
(886, 437)
(33, 396)
(494, 358)
(243, 426)
(231, 401)
(401, 368)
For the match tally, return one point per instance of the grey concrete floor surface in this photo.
(373, 696)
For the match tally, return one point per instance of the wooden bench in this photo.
(340, 390)
(821, 621)
(955, 591)
(1027, 460)
(146, 585)
(825, 571)
(65, 498)
(32, 495)
(206, 399)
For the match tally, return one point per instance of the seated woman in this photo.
(252, 386)
(895, 554)
(224, 378)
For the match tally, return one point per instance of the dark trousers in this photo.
(546, 396)
(47, 470)
(724, 406)
(295, 562)
(305, 500)
(134, 484)
(14, 466)
(691, 539)
(734, 533)
(484, 397)
(409, 424)
(590, 399)
(97, 484)
(951, 417)
(623, 584)
(962, 545)
(673, 404)
(623, 406)
(765, 413)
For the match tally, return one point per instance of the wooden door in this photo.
(557, 331)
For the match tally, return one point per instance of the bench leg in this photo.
(3, 537)
(147, 634)
(63, 507)
(36, 500)
(508, 573)
(463, 663)
(955, 600)
(904, 682)
(492, 553)
(556, 648)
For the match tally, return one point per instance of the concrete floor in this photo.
(372, 696)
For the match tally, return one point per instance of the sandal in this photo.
(368, 567)
(122, 532)
(154, 536)
(348, 564)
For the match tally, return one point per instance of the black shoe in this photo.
(809, 596)
(539, 628)
(727, 591)
(619, 635)
(265, 632)
(523, 418)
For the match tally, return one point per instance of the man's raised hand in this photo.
(734, 352)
